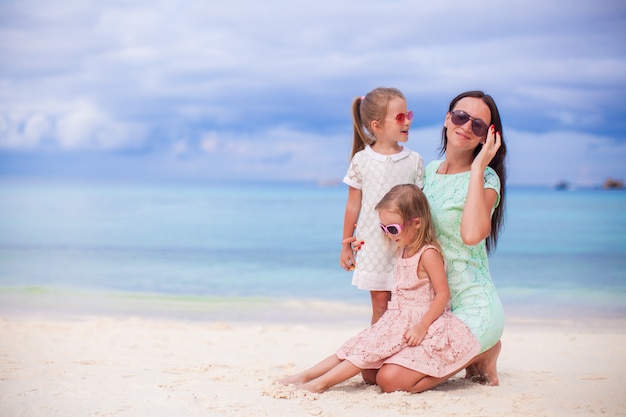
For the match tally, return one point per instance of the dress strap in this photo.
(419, 253)
(429, 246)
(415, 258)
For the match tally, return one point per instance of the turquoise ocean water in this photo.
(229, 247)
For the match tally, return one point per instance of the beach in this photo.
(145, 365)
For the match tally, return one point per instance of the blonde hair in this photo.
(371, 107)
(409, 202)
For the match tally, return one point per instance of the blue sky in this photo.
(249, 90)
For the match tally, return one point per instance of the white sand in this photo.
(115, 366)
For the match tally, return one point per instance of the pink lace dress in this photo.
(447, 346)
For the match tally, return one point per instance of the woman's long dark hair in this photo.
(497, 163)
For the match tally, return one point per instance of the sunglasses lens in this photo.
(400, 117)
(459, 118)
(393, 230)
(479, 128)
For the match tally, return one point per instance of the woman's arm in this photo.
(476, 218)
(433, 266)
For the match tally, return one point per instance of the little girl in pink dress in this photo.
(418, 314)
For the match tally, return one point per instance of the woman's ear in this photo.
(417, 222)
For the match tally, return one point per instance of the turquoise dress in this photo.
(473, 296)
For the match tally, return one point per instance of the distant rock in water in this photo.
(562, 185)
(613, 184)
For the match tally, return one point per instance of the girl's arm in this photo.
(353, 208)
(476, 218)
(433, 266)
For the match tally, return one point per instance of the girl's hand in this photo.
(346, 257)
(349, 247)
(491, 144)
(415, 334)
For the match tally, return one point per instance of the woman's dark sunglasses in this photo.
(459, 118)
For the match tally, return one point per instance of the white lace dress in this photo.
(374, 174)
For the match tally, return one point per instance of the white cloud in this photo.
(24, 131)
(84, 126)
(76, 125)
(277, 153)
(180, 147)
(209, 142)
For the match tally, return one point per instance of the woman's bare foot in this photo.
(483, 369)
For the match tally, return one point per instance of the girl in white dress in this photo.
(379, 161)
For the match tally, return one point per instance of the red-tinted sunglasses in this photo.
(400, 117)
(459, 118)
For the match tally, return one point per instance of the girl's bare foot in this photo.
(313, 386)
(296, 380)
(483, 369)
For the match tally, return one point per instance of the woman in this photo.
(466, 193)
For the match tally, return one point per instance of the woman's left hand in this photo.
(491, 144)
(356, 246)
